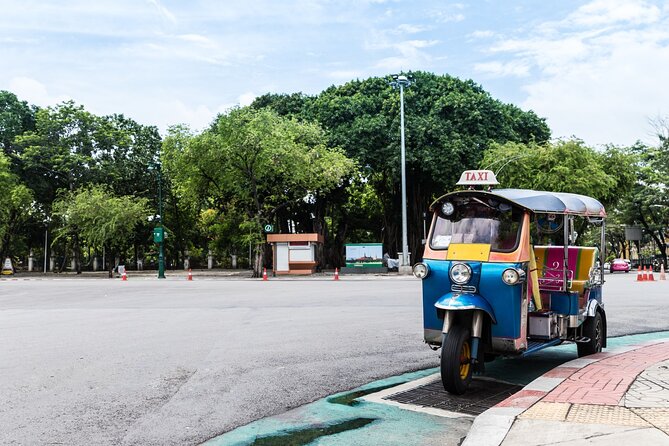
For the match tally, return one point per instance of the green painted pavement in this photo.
(342, 420)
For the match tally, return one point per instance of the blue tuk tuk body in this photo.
(488, 290)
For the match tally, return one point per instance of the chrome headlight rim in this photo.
(513, 276)
(421, 270)
(460, 273)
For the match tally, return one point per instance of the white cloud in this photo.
(163, 11)
(610, 12)
(481, 34)
(345, 74)
(513, 68)
(198, 39)
(409, 54)
(247, 98)
(449, 13)
(600, 75)
(406, 28)
(34, 92)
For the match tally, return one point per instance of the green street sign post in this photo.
(269, 228)
(158, 234)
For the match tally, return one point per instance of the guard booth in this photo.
(295, 253)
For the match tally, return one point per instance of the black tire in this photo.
(456, 356)
(593, 328)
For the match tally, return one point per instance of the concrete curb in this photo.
(491, 427)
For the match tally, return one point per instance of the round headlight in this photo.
(460, 273)
(447, 208)
(510, 276)
(421, 270)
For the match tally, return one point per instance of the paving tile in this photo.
(607, 380)
(547, 411)
(655, 416)
(597, 414)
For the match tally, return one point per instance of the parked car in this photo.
(620, 265)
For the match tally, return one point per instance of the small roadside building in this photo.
(295, 253)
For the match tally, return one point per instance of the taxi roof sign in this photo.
(477, 177)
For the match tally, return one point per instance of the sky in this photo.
(597, 70)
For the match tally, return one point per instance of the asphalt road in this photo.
(175, 362)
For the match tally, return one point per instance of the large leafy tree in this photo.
(16, 204)
(563, 166)
(16, 117)
(566, 166)
(100, 219)
(257, 163)
(449, 124)
(647, 204)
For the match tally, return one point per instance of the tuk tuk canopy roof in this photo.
(544, 202)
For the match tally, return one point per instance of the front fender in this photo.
(592, 307)
(465, 301)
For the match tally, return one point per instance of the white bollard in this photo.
(210, 260)
(31, 261)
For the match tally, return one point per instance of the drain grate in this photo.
(481, 396)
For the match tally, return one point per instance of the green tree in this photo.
(16, 117)
(256, 162)
(100, 219)
(449, 124)
(563, 166)
(16, 203)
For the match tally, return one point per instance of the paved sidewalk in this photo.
(619, 396)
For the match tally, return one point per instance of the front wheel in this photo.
(456, 360)
(593, 328)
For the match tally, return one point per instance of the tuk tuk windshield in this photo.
(478, 222)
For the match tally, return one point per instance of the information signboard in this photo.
(364, 255)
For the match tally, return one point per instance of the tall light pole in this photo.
(159, 230)
(161, 255)
(401, 81)
(47, 220)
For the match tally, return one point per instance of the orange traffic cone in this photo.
(124, 276)
(190, 274)
(639, 276)
(264, 274)
(662, 275)
(645, 273)
(650, 274)
(336, 276)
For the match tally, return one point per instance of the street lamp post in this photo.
(161, 254)
(47, 220)
(402, 81)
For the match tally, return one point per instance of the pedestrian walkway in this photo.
(614, 397)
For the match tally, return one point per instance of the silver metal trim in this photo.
(448, 321)
(477, 323)
(463, 288)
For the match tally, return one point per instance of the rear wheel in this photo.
(593, 328)
(456, 360)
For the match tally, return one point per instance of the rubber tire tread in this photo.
(450, 367)
(590, 348)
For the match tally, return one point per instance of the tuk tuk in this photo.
(502, 276)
